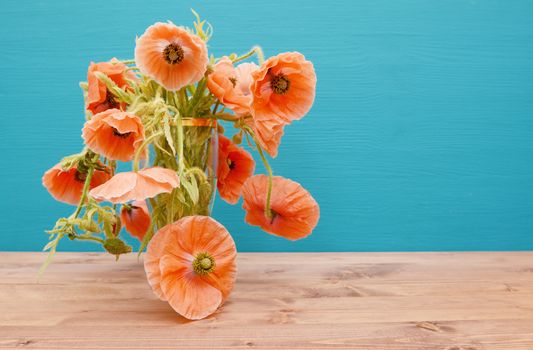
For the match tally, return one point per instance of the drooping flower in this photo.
(171, 56)
(67, 185)
(136, 185)
(268, 132)
(235, 165)
(98, 97)
(231, 85)
(284, 86)
(114, 134)
(243, 73)
(191, 264)
(136, 218)
(294, 212)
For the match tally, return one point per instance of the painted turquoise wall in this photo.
(421, 137)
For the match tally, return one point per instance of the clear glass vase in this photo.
(197, 190)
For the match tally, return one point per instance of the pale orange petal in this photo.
(169, 265)
(149, 56)
(295, 211)
(116, 188)
(114, 134)
(67, 186)
(136, 219)
(191, 296)
(235, 165)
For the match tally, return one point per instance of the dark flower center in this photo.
(280, 84)
(173, 54)
(110, 100)
(273, 216)
(233, 81)
(118, 134)
(79, 176)
(231, 164)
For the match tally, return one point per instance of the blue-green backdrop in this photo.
(421, 136)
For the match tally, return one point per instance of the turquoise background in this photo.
(421, 136)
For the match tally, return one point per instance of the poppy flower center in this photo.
(173, 53)
(110, 100)
(231, 164)
(233, 81)
(280, 84)
(273, 216)
(119, 134)
(79, 176)
(203, 264)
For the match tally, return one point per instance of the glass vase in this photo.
(196, 148)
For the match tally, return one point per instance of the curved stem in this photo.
(227, 117)
(90, 238)
(181, 161)
(196, 171)
(141, 148)
(84, 192)
(216, 107)
(255, 50)
(268, 212)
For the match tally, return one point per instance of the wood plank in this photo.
(451, 301)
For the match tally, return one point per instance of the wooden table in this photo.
(445, 301)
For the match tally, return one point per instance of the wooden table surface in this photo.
(445, 301)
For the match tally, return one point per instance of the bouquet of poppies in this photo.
(163, 113)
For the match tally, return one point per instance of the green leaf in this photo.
(191, 188)
(116, 246)
(168, 135)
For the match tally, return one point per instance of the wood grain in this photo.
(445, 301)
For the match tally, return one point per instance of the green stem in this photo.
(183, 98)
(216, 107)
(227, 117)
(197, 171)
(268, 212)
(84, 192)
(90, 238)
(181, 161)
(141, 148)
(200, 88)
(255, 50)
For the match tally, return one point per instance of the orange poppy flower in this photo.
(284, 86)
(243, 73)
(295, 213)
(268, 132)
(191, 264)
(171, 55)
(136, 186)
(114, 134)
(98, 97)
(235, 165)
(225, 83)
(67, 186)
(136, 218)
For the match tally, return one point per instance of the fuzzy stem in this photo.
(227, 117)
(90, 238)
(84, 192)
(216, 107)
(141, 148)
(255, 50)
(181, 161)
(268, 212)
